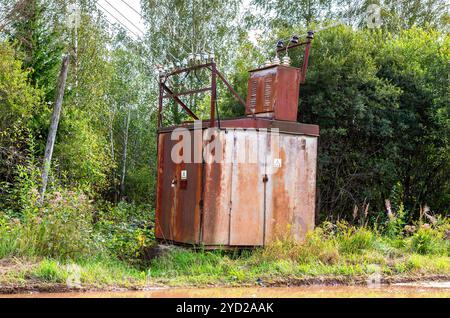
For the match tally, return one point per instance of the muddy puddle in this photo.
(408, 290)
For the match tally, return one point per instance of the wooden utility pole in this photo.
(54, 125)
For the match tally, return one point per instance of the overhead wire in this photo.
(115, 18)
(139, 37)
(143, 33)
(127, 29)
(124, 16)
(183, 48)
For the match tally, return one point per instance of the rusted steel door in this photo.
(290, 195)
(179, 195)
(248, 189)
(217, 195)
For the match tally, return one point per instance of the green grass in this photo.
(190, 268)
(96, 273)
(347, 253)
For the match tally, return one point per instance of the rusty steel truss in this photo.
(166, 92)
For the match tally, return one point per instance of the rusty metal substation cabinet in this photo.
(262, 187)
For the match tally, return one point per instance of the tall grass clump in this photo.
(317, 246)
(354, 240)
(60, 228)
(8, 235)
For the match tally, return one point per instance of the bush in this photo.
(62, 228)
(428, 240)
(68, 226)
(126, 230)
(395, 226)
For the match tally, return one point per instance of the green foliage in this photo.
(62, 228)
(321, 255)
(429, 240)
(181, 262)
(332, 250)
(50, 271)
(18, 168)
(422, 241)
(395, 226)
(314, 249)
(354, 240)
(20, 103)
(379, 96)
(126, 230)
(395, 15)
(380, 102)
(417, 62)
(83, 158)
(82, 152)
(19, 100)
(141, 184)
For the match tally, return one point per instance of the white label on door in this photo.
(277, 163)
(183, 174)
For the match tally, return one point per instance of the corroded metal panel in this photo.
(248, 190)
(217, 195)
(161, 225)
(247, 199)
(178, 197)
(274, 91)
(287, 93)
(306, 208)
(290, 197)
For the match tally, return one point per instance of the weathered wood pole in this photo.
(54, 125)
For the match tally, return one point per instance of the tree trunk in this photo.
(54, 125)
(113, 155)
(124, 154)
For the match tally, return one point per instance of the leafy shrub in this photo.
(65, 230)
(395, 226)
(428, 240)
(19, 172)
(8, 235)
(126, 230)
(50, 271)
(141, 185)
(62, 228)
